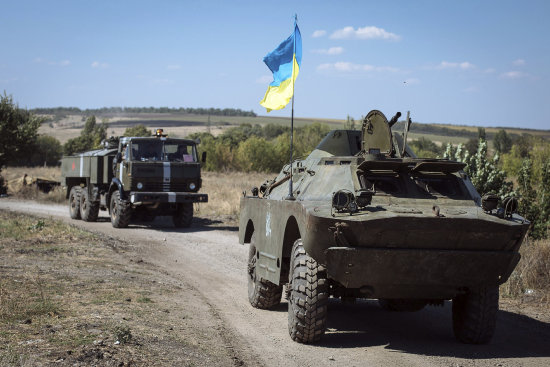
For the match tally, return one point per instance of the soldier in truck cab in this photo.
(182, 154)
(150, 153)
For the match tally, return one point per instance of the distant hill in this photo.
(66, 122)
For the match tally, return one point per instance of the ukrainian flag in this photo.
(284, 62)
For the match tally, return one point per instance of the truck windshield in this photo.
(158, 150)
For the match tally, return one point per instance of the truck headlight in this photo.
(192, 186)
(139, 186)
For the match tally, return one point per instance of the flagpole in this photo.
(290, 194)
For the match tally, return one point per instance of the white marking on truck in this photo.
(81, 164)
(166, 178)
(171, 197)
(268, 224)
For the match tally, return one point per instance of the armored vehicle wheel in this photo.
(120, 211)
(308, 296)
(402, 305)
(261, 293)
(474, 315)
(89, 210)
(184, 215)
(74, 202)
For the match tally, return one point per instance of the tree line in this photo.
(64, 111)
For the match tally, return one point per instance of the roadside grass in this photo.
(530, 281)
(225, 190)
(69, 297)
(14, 177)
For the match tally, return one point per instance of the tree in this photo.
(137, 130)
(90, 137)
(48, 151)
(502, 142)
(350, 123)
(483, 171)
(18, 131)
(425, 148)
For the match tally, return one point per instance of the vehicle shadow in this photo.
(429, 332)
(199, 224)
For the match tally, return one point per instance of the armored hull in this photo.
(374, 221)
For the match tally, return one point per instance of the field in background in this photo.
(181, 125)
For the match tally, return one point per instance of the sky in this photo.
(484, 63)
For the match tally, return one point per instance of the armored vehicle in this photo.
(363, 217)
(135, 177)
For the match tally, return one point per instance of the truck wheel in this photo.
(120, 211)
(402, 305)
(261, 293)
(89, 210)
(474, 315)
(184, 215)
(74, 202)
(308, 297)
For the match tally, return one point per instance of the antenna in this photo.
(290, 195)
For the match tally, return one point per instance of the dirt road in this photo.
(211, 260)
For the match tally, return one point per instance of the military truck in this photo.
(363, 217)
(135, 177)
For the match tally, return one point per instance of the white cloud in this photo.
(369, 32)
(343, 66)
(330, 51)
(319, 33)
(513, 75)
(264, 79)
(99, 65)
(518, 62)
(173, 67)
(455, 65)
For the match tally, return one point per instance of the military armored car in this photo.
(363, 217)
(135, 177)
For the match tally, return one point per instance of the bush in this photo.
(18, 131)
(137, 130)
(90, 137)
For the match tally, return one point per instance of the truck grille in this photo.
(159, 186)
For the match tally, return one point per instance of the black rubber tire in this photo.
(89, 210)
(402, 305)
(121, 211)
(308, 297)
(183, 216)
(261, 293)
(475, 314)
(74, 202)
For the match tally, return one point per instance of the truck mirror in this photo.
(203, 159)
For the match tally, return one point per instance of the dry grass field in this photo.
(176, 125)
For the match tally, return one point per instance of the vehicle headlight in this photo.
(192, 186)
(139, 186)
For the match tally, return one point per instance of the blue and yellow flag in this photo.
(284, 62)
